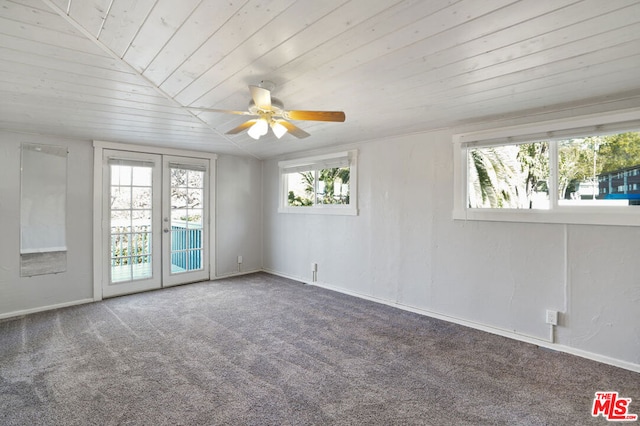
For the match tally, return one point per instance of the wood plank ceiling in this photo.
(123, 70)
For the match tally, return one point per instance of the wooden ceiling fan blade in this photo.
(243, 126)
(337, 116)
(261, 97)
(294, 130)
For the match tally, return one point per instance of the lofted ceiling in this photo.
(125, 70)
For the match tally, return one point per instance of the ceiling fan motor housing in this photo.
(277, 107)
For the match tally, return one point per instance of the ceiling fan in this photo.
(270, 112)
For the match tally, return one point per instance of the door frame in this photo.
(99, 222)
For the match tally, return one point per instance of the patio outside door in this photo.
(155, 218)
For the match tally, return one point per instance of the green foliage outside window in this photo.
(333, 187)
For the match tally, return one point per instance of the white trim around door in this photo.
(200, 165)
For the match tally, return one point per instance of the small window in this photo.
(579, 175)
(323, 184)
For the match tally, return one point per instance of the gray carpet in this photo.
(262, 350)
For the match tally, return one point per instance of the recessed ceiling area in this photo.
(127, 71)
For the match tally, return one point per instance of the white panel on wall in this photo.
(21, 295)
(500, 274)
(43, 198)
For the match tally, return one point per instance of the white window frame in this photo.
(320, 162)
(627, 120)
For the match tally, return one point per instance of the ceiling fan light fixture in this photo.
(260, 128)
(270, 112)
(278, 129)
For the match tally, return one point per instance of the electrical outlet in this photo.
(552, 317)
(239, 259)
(314, 267)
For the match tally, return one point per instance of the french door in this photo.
(185, 230)
(155, 221)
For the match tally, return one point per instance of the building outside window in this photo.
(558, 175)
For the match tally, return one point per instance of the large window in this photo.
(323, 184)
(586, 174)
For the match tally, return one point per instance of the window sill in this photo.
(341, 211)
(625, 216)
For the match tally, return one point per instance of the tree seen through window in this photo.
(605, 168)
(323, 186)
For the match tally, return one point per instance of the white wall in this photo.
(404, 248)
(238, 215)
(24, 294)
(238, 225)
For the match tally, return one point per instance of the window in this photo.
(509, 176)
(323, 184)
(563, 174)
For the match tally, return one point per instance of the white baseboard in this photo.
(23, 312)
(482, 327)
(44, 308)
(478, 326)
(236, 274)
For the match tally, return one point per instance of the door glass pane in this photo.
(120, 221)
(141, 198)
(130, 221)
(187, 202)
(194, 198)
(141, 220)
(141, 176)
(120, 175)
(194, 220)
(120, 197)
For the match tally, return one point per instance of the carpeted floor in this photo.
(262, 350)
